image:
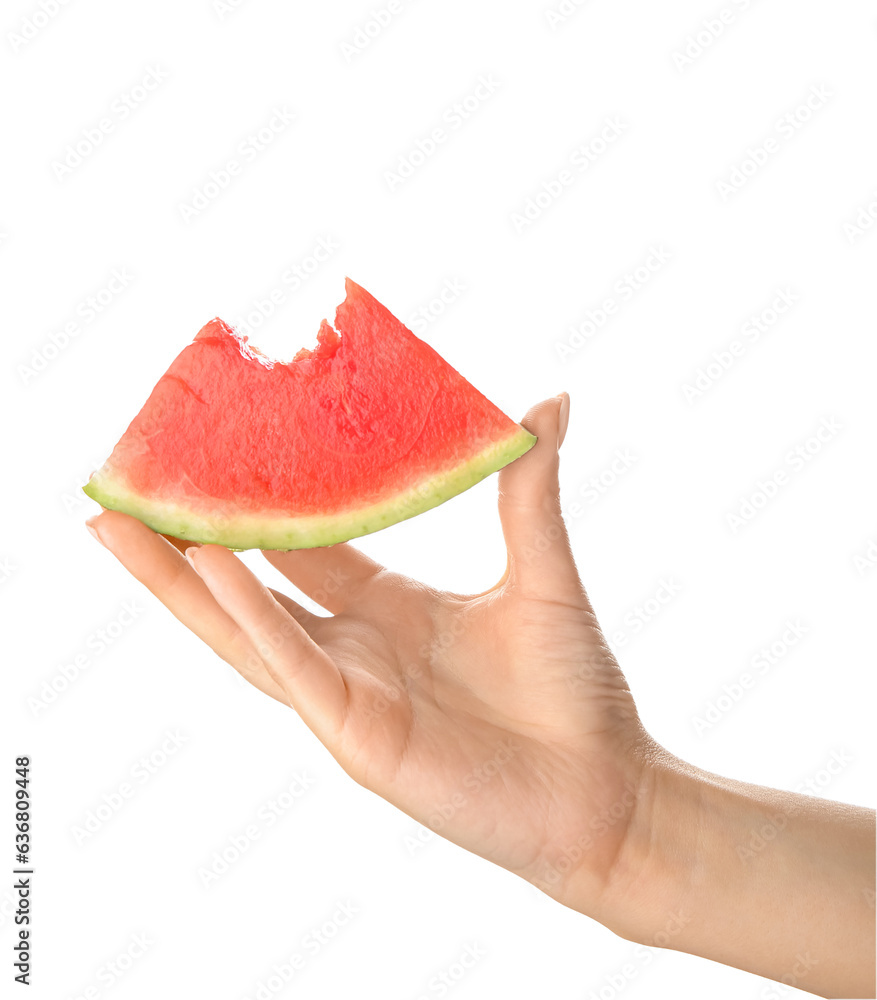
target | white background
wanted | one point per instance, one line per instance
(803, 557)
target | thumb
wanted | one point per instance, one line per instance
(540, 562)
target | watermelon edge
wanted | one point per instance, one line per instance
(285, 532)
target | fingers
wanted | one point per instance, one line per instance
(312, 683)
(309, 622)
(562, 418)
(180, 544)
(330, 575)
(160, 567)
(540, 561)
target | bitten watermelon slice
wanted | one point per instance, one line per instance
(369, 428)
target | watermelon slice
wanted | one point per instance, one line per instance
(369, 428)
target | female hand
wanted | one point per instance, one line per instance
(499, 719)
(502, 721)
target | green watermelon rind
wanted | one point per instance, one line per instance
(283, 531)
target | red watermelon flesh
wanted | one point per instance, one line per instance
(370, 427)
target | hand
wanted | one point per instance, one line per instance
(502, 721)
(499, 719)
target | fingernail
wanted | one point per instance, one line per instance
(91, 528)
(562, 417)
(189, 553)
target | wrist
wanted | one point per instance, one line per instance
(646, 894)
(621, 869)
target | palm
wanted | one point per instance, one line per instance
(448, 720)
(500, 720)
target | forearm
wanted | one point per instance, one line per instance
(778, 884)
